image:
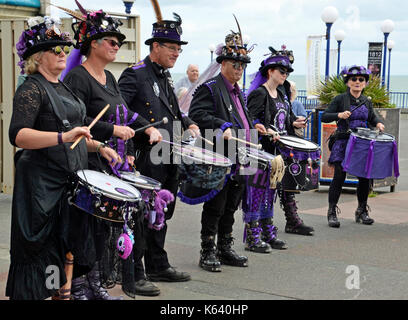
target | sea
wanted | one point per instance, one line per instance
(398, 83)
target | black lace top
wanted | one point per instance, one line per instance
(28, 101)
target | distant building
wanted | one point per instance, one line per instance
(11, 9)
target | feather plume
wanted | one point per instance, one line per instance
(84, 12)
(157, 10)
(239, 30)
(177, 18)
(71, 13)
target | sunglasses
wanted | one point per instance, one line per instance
(236, 65)
(113, 43)
(354, 79)
(58, 50)
(283, 72)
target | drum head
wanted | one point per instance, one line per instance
(368, 134)
(140, 181)
(254, 154)
(191, 154)
(109, 186)
(298, 143)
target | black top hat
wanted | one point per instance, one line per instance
(234, 49)
(43, 33)
(355, 70)
(167, 31)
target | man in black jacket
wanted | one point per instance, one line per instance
(147, 88)
(218, 104)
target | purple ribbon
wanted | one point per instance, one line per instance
(395, 155)
(350, 147)
(370, 159)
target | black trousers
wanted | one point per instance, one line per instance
(336, 186)
(152, 248)
(218, 213)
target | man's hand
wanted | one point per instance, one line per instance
(194, 130)
(123, 132)
(227, 134)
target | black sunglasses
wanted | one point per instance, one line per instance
(237, 64)
(283, 71)
(354, 79)
(113, 43)
(58, 50)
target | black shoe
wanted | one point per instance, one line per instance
(253, 241)
(270, 234)
(208, 259)
(362, 214)
(169, 275)
(332, 214)
(141, 287)
(227, 255)
(294, 224)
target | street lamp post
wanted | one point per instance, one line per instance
(211, 47)
(391, 45)
(339, 35)
(245, 39)
(128, 4)
(329, 16)
(387, 26)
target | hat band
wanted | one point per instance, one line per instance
(168, 34)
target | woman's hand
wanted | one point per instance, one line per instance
(110, 155)
(344, 115)
(275, 136)
(74, 134)
(380, 126)
(131, 160)
(300, 122)
(261, 128)
(227, 134)
(154, 134)
(123, 132)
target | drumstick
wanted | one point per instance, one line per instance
(91, 125)
(258, 146)
(206, 140)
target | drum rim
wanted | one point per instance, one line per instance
(253, 156)
(201, 161)
(107, 193)
(370, 139)
(97, 216)
(317, 147)
(136, 184)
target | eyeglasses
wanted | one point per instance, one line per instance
(283, 72)
(236, 64)
(172, 49)
(354, 79)
(113, 43)
(58, 50)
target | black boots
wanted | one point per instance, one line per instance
(226, 254)
(208, 258)
(293, 222)
(253, 241)
(96, 291)
(362, 214)
(79, 289)
(269, 234)
(332, 215)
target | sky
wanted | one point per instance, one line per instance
(272, 23)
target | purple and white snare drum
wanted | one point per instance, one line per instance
(202, 172)
(153, 196)
(104, 196)
(371, 155)
(301, 158)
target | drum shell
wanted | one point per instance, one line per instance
(369, 158)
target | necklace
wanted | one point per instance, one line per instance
(101, 78)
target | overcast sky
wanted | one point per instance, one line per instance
(272, 23)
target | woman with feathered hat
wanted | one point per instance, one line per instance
(46, 233)
(269, 103)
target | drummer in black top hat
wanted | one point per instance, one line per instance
(147, 88)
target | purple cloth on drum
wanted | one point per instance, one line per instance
(370, 159)
(298, 154)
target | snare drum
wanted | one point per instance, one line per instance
(202, 172)
(104, 196)
(371, 155)
(301, 158)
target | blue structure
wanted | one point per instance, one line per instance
(22, 3)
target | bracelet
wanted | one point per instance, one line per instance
(60, 138)
(100, 145)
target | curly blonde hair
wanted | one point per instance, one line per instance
(31, 63)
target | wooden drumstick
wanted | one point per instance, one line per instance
(205, 140)
(91, 125)
(258, 146)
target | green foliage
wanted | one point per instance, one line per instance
(335, 86)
